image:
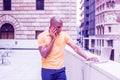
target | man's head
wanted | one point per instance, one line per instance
(56, 22)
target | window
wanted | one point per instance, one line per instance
(110, 4)
(107, 4)
(87, 15)
(109, 29)
(110, 43)
(37, 32)
(102, 42)
(92, 43)
(113, 4)
(87, 7)
(6, 4)
(103, 6)
(87, 23)
(39, 4)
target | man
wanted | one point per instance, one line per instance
(51, 46)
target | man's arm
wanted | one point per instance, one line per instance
(45, 50)
(80, 52)
(77, 49)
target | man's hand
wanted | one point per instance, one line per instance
(53, 32)
(92, 59)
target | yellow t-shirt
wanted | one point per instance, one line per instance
(55, 60)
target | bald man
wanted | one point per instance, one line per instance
(51, 46)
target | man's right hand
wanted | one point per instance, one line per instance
(53, 32)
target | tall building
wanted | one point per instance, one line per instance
(100, 26)
(25, 19)
(80, 21)
(107, 26)
(88, 24)
(91, 29)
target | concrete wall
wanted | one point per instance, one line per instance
(79, 69)
(26, 44)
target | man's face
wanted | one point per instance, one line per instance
(57, 26)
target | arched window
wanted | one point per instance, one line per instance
(6, 31)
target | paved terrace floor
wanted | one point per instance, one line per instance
(24, 65)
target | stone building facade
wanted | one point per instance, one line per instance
(25, 19)
(107, 27)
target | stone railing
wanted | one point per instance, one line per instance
(79, 69)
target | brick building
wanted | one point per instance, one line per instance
(24, 19)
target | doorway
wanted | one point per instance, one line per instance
(7, 31)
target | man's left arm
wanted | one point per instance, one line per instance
(80, 52)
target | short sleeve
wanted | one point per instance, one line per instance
(40, 40)
(67, 38)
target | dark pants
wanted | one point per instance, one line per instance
(53, 74)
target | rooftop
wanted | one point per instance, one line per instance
(25, 64)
